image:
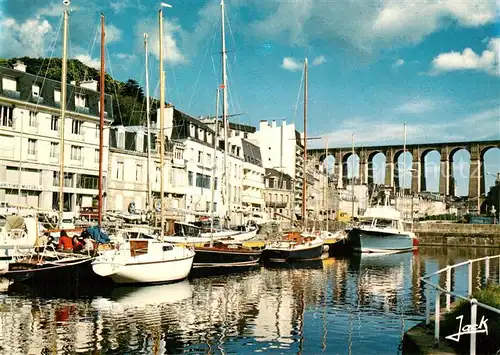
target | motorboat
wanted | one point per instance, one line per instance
(381, 230)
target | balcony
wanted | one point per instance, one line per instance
(276, 204)
(32, 156)
(36, 99)
(12, 93)
(82, 109)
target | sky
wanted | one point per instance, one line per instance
(373, 65)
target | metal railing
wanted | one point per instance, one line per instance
(448, 293)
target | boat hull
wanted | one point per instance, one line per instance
(310, 251)
(207, 257)
(50, 272)
(373, 241)
(154, 272)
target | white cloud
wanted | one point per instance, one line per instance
(319, 60)
(171, 50)
(417, 106)
(113, 33)
(118, 6)
(87, 60)
(55, 9)
(365, 25)
(19, 39)
(291, 64)
(398, 63)
(487, 62)
(125, 56)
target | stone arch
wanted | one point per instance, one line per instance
(403, 162)
(459, 160)
(490, 158)
(350, 168)
(430, 169)
(376, 167)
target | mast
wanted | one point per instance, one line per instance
(404, 160)
(101, 120)
(162, 124)
(304, 179)
(224, 112)
(63, 113)
(352, 178)
(148, 175)
(326, 185)
(214, 166)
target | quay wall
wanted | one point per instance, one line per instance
(458, 234)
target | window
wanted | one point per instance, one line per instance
(245, 135)
(177, 153)
(215, 183)
(121, 140)
(236, 133)
(207, 208)
(203, 181)
(76, 153)
(35, 91)
(284, 185)
(9, 84)
(190, 178)
(275, 183)
(158, 174)
(87, 182)
(6, 116)
(54, 150)
(97, 132)
(32, 119)
(138, 172)
(76, 127)
(287, 198)
(96, 155)
(119, 170)
(54, 123)
(80, 100)
(267, 182)
(200, 157)
(209, 159)
(31, 146)
(57, 96)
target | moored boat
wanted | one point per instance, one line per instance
(225, 255)
(145, 261)
(381, 230)
(294, 247)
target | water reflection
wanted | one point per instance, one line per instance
(354, 305)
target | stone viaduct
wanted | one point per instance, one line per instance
(476, 149)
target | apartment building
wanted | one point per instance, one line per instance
(30, 137)
(128, 176)
(279, 196)
(253, 181)
(282, 149)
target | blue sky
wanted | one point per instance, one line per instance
(374, 65)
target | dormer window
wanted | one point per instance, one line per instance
(140, 142)
(80, 100)
(10, 87)
(121, 140)
(192, 130)
(57, 96)
(35, 91)
(200, 133)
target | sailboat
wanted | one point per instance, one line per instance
(222, 254)
(148, 260)
(296, 246)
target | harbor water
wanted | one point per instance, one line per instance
(349, 305)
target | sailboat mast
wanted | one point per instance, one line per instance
(304, 179)
(148, 124)
(352, 177)
(63, 115)
(214, 166)
(224, 109)
(162, 124)
(101, 120)
(404, 159)
(326, 185)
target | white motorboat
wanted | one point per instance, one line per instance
(187, 233)
(17, 234)
(139, 261)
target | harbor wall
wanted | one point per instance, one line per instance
(458, 234)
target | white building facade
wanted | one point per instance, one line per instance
(30, 138)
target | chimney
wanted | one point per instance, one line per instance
(20, 66)
(273, 125)
(89, 84)
(283, 123)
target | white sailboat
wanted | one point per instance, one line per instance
(146, 260)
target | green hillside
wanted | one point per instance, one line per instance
(129, 104)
